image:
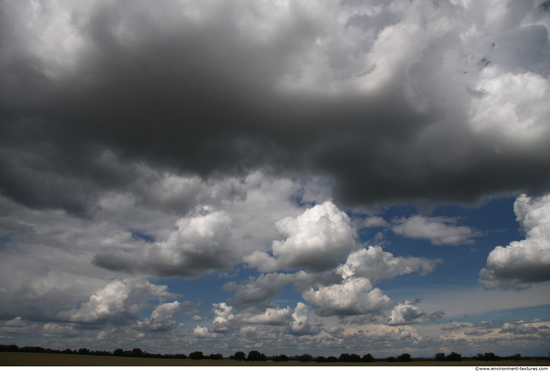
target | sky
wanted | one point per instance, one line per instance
(292, 177)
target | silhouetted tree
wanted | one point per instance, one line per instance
(517, 356)
(305, 358)
(440, 357)
(368, 358)
(239, 355)
(490, 357)
(280, 358)
(137, 353)
(197, 355)
(391, 359)
(320, 359)
(118, 352)
(344, 357)
(216, 356)
(454, 357)
(332, 359)
(404, 358)
(256, 356)
(83, 351)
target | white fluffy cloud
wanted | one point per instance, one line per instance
(375, 264)
(354, 296)
(315, 240)
(439, 230)
(271, 316)
(162, 318)
(407, 313)
(526, 261)
(119, 302)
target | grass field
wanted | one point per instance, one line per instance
(41, 359)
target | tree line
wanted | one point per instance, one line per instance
(256, 356)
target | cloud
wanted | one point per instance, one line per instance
(527, 261)
(257, 290)
(375, 264)
(435, 94)
(271, 316)
(301, 323)
(400, 335)
(203, 243)
(519, 329)
(118, 303)
(162, 318)
(439, 230)
(315, 240)
(477, 332)
(453, 325)
(354, 296)
(407, 313)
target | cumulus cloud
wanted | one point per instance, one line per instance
(202, 243)
(162, 318)
(407, 313)
(519, 329)
(453, 325)
(354, 296)
(301, 323)
(375, 264)
(118, 303)
(477, 332)
(315, 240)
(257, 290)
(439, 230)
(522, 262)
(400, 335)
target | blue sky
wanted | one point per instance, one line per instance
(288, 177)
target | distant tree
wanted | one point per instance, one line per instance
(354, 358)
(404, 358)
(368, 358)
(479, 356)
(197, 355)
(83, 351)
(256, 356)
(305, 358)
(517, 356)
(490, 357)
(118, 352)
(320, 359)
(239, 355)
(344, 357)
(137, 353)
(216, 356)
(440, 357)
(332, 359)
(454, 357)
(391, 359)
(280, 358)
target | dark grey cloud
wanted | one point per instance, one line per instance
(236, 87)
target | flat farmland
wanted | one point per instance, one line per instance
(43, 359)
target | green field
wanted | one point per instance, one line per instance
(42, 359)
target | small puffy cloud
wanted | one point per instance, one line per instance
(118, 303)
(301, 323)
(201, 332)
(257, 290)
(400, 335)
(526, 261)
(477, 332)
(439, 230)
(162, 318)
(375, 221)
(315, 240)
(407, 313)
(58, 330)
(519, 329)
(354, 296)
(373, 263)
(271, 316)
(222, 317)
(453, 325)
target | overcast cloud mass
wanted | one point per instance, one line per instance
(283, 176)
